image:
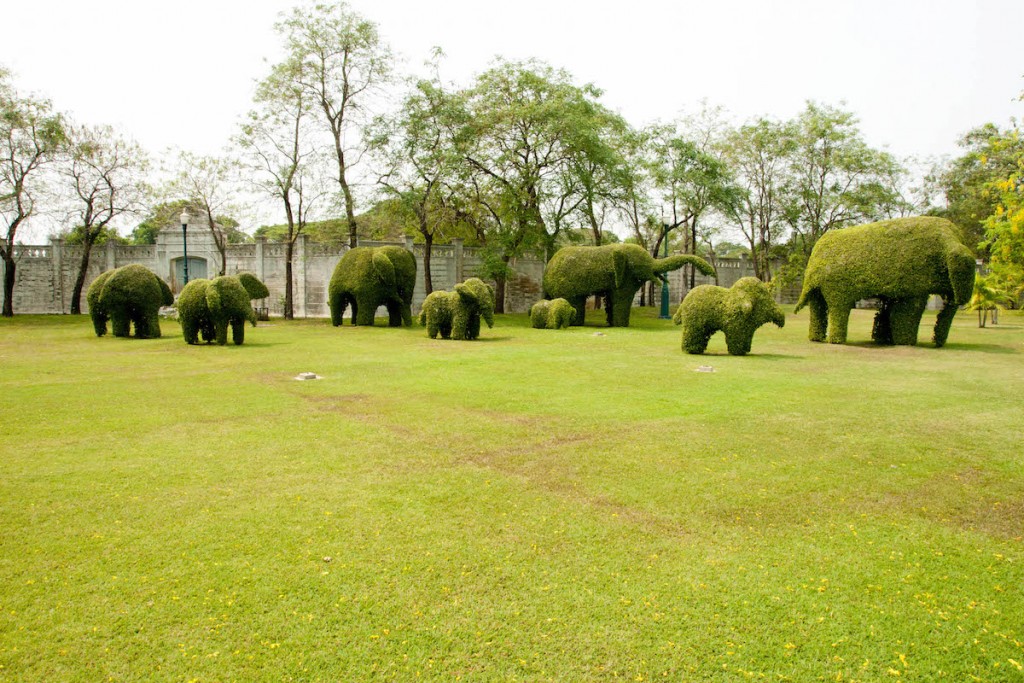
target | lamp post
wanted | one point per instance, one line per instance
(664, 276)
(184, 239)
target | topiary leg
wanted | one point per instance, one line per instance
(881, 328)
(622, 303)
(460, 323)
(739, 343)
(580, 306)
(394, 313)
(819, 317)
(695, 339)
(944, 321)
(99, 323)
(338, 305)
(121, 324)
(838, 322)
(238, 331)
(906, 319)
(473, 326)
(189, 330)
(221, 331)
(363, 312)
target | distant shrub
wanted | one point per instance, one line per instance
(556, 314)
(457, 314)
(902, 262)
(130, 296)
(737, 311)
(369, 277)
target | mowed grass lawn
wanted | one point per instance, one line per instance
(534, 505)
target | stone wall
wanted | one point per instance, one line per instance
(45, 274)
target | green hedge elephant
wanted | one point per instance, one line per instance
(369, 277)
(128, 296)
(208, 307)
(737, 311)
(900, 261)
(556, 314)
(457, 314)
(615, 271)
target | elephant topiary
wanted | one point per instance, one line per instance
(615, 271)
(128, 296)
(556, 314)
(737, 311)
(369, 277)
(457, 314)
(208, 307)
(900, 261)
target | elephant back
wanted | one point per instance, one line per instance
(134, 286)
(575, 271)
(228, 300)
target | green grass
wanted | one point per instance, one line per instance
(534, 505)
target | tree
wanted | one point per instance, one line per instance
(31, 135)
(344, 63)
(966, 183)
(527, 124)
(284, 156)
(835, 179)
(105, 175)
(758, 153)
(205, 182)
(1004, 228)
(420, 157)
(989, 295)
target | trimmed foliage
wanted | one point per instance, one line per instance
(901, 262)
(253, 285)
(207, 307)
(369, 277)
(614, 271)
(737, 311)
(457, 314)
(130, 296)
(556, 314)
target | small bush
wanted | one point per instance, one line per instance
(556, 314)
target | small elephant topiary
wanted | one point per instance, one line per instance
(208, 307)
(900, 261)
(128, 296)
(737, 311)
(457, 314)
(614, 271)
(370, 277)
(556, 314)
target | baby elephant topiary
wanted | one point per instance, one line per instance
(737, 311)
(457, 314)
(207, 307)
(556, 314)
(128, 296)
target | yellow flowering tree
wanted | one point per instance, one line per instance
(1004, 229)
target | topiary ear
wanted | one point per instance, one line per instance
(383, 268)
(465, 292)
(619, 264)
(745, 302)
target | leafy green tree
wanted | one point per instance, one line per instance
(31, 135)
(758, 154)
(835, 179)
(283, 156)
(527, 124)
(344, 64)
(206, 183)
(105, 174)
(966, 183)
(420, 157)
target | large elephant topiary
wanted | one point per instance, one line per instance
(128, 296)
(369, 277)
(615, 271)
(556, 314)
(737, 311)
(457, 314)
(901, 262)
(208, 307)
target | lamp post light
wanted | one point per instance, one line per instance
(664, 276)
(184, 239)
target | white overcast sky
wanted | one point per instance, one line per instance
(918, 73)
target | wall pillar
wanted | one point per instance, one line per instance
(57, 259)
(299, 272)
(110, 256)
(261, 273)
(457, 248)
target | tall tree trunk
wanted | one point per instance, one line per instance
(289, 302)
(428, 248)
(9, 267)
(83, 267)
(499, 287)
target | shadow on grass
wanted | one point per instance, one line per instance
(771, 357)
(982, 348)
